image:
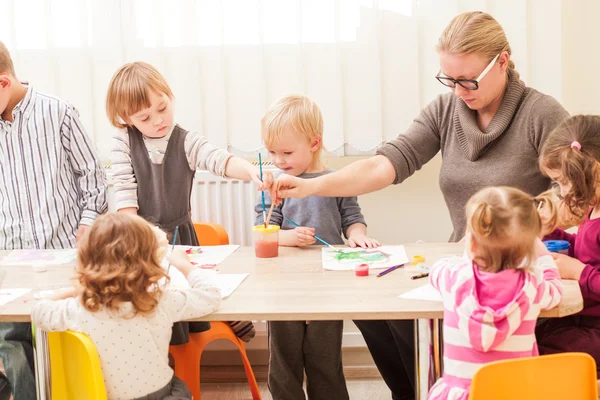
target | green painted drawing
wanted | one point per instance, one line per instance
(360, 255)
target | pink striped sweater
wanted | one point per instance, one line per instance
(488, 317)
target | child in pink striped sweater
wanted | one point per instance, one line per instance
(492, 300)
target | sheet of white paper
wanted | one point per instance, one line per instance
(425, 292)
(227, 283)
(8, 295)
(48, 257)
(381, 257)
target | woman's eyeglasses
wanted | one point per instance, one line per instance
(469, 84)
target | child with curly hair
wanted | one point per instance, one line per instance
(121, 303)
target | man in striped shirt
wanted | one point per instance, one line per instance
(52, 186)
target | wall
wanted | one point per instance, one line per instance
(414, 210)
(580, 56)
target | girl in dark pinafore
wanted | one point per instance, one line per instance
(154, 161)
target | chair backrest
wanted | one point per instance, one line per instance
(75, 367)
(551, 377)
(210, 234)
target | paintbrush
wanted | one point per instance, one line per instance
(271, 209)
(262, 193)
(172, 247)
(268, 221)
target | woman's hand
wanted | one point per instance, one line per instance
(291, 186)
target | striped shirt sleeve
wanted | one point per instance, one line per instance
(438, 274)
(203, 155)
(124, 180)
(86, 165)
(550, 287)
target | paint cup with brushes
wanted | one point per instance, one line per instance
(266, 236)
(266, 241)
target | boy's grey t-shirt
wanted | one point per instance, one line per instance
(330, 216)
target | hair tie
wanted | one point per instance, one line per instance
(576, 145)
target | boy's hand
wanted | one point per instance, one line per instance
(568, 267)
(359, 239)
(304, 236)
(180, 260)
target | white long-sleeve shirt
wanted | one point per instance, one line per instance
(199, 152)
(133, 351)
(51, 179)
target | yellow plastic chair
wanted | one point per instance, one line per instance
(553, 377)
(75, 367)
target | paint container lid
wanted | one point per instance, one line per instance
(268, 229)
(361, 270)
(417, 260)
(557, 245)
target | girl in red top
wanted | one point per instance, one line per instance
(571, 158)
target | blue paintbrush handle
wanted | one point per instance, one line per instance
(173, 246)
(261, 178)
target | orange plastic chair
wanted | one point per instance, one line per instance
(210, 234)
(187, 356)
(75, 367)
(552, 377)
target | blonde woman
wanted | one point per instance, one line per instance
(489, 128)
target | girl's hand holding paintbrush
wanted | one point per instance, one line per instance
(267, 178)
(238, 168)
(180, 260)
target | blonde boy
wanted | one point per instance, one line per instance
(292, 130)
(52, 186)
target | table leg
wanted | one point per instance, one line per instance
(428, 355)
(42, 365)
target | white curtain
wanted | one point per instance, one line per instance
(370, 64)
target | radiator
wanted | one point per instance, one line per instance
(227, 202)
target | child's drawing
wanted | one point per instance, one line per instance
(209, 256)
(49, 257)
(382, 257)
(360, 255)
